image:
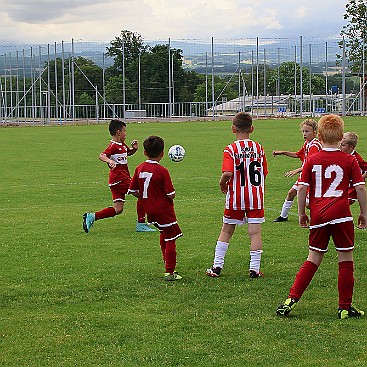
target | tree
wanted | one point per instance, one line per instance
(355, 33)
(286, 80)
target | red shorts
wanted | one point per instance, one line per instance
(170, 231)
(341, 233)
(119, 192)
(240, 217)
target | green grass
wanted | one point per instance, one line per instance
(72, 299)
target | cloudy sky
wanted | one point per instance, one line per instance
(48, 21)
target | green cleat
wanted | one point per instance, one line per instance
(288, 305)
(88, 220)
(168, 277)
(352, 312)
(143, 227)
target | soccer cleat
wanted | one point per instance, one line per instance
(88, 220)
(288, 305)
(213, 272)
(254, 274)
(143, 227)
(168, 277)
(352, 312)
(280, 219)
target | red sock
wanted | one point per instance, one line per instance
(303, 279)
(162, 243)
(345, 283)
(105, 213)
(140, 211)
(170, 256)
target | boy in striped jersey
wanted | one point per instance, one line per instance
(244, 169)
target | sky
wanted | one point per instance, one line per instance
(49, 21)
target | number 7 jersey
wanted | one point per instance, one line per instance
(246, 160)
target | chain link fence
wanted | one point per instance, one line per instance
(38, 83)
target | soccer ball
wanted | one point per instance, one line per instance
(176, 153)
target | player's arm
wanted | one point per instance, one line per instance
(293, 172)
(285, 152)
(226, 176)
(362, 199)
(301, 197)
(134, 147)
(111, 163)
(134, 193)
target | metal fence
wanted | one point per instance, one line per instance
(31, 92)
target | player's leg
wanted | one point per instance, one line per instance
(141, 226)
(118, 198)
(254, 233)
(318, 246)
(169, 236)
(343, 236)
(221, 249)
(287, 205)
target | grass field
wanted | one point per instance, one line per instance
(74, 299)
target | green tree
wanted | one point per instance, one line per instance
(355, 33)
(284, 80)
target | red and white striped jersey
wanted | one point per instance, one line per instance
(246, 160)
(309, 148)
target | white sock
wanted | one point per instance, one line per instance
(220, 252)
(255, 259)
(287, 205)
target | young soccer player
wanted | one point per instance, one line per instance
(327, 175)
(152, 183)
(115, 155)
(244, 169)
(348, 145)
(311, 146)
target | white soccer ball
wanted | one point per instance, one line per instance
(176, 153)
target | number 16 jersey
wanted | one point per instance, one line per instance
(246, 160)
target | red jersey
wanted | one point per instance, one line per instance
(154, 184)
(363, 166)
(118, 153)
(309, 148)
(328, 175)
(246, 160)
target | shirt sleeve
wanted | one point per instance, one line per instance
(301, 153)
(227, 164)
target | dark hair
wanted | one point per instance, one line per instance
(115, 125)
(153, 146)
(242, 122)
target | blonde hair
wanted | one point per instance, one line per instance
(311, 123)
(331, 129)
(351, 138)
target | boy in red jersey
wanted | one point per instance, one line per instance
(152, 184)
(244, 169)
(348, 145)
(327, 176)
(115, 155)
(311, 146)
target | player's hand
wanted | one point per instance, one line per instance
(276, 152)
(362, 221)
(135, 144)
(289, 173)
(223, 188)
(303, 220)
(112, 164)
